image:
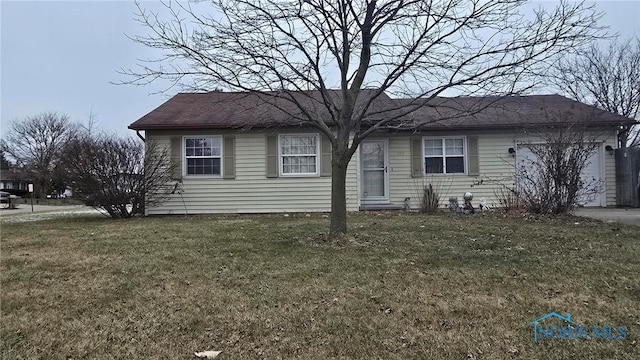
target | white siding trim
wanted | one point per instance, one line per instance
(603, 174)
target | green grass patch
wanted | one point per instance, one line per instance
(399, 286)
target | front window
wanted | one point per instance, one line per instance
(299, 154)
(444, 156)
(203, 155)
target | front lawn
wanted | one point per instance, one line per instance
(401, 286)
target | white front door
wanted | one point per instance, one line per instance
(375, 177)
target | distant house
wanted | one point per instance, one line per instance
(14, 180)
(239, 153)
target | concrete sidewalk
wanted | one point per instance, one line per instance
(43, 212)
(26, 208)
(624, 216)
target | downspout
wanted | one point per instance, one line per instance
(144, 141)
(140, 136)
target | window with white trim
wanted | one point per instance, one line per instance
(444, 155)
(203, 155)
(299, 154)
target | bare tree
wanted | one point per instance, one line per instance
(607, 77)
(4, 163)
(117, 175)
(285, 50)
(551, 179)
(36, 144)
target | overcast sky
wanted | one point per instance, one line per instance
(63, 55)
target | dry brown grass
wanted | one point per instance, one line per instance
(400, 286)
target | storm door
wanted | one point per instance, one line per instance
(374, 171)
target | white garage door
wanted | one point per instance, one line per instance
(593, 172)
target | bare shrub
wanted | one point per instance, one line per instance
(430, 192)
(117, 175)
(508, 198)
(430, 200)
(551, 181)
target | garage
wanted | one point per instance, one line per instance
(593, 172)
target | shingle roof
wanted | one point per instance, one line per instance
(14, 173)
(234, 110)
(231, 110)
(513, 112)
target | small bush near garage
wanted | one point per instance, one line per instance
(551, 179)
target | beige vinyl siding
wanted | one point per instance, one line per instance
(251, 191)
(493, 160)
(496, 167)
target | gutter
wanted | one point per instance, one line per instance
(427, 127)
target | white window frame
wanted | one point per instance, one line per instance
(185, 169)
(465, 155)
(280, 155)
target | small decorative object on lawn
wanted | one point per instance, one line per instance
(484, 205)
(453, 204)
(468, 208)
(407, 204)
(207, 354)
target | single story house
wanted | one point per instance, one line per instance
(238, 153)
(13, 180)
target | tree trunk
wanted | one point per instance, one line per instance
(42, 185)
(338, 224)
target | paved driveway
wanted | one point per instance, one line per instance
(625, 216)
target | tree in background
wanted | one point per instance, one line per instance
(117, 175)
(608, 77)
(4, 162)
(36, 145)
(282, 50)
